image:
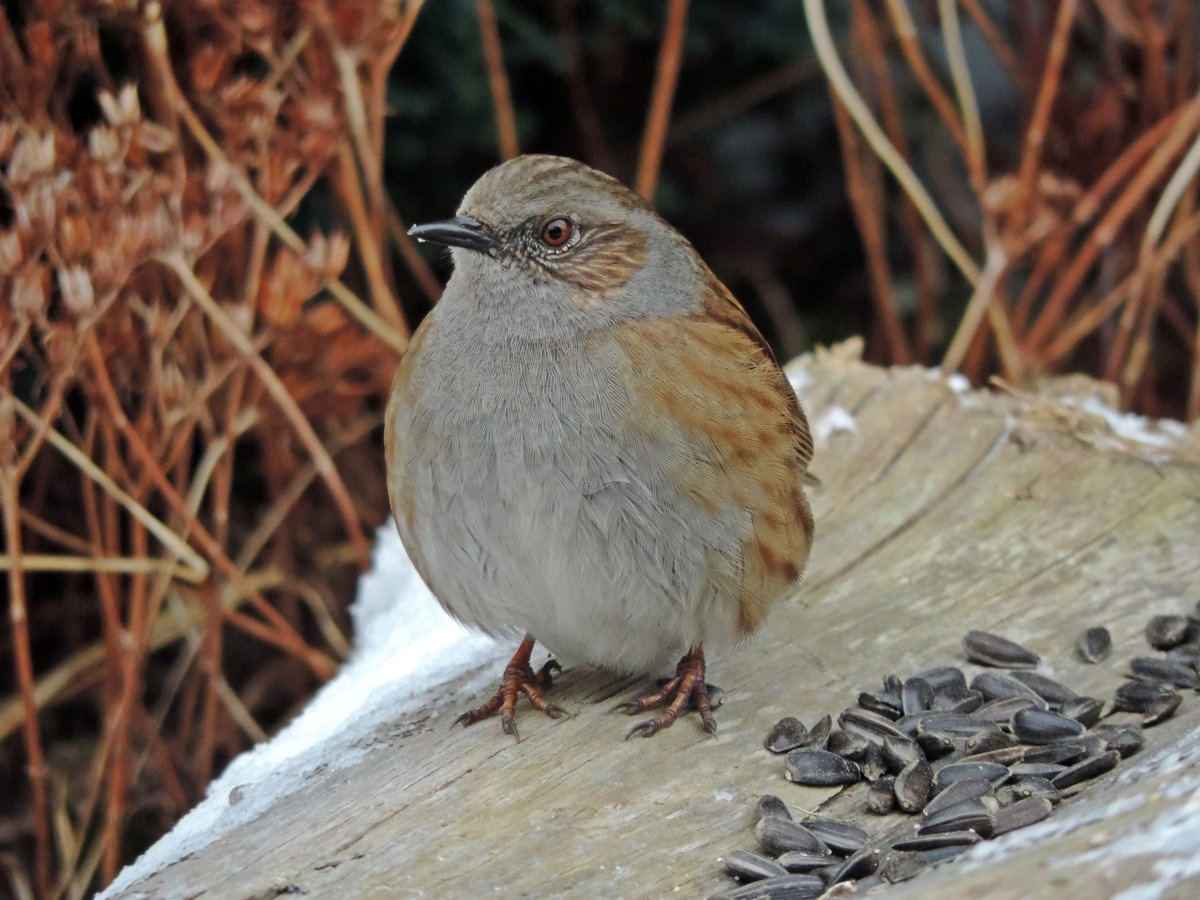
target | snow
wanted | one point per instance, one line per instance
(1130, 426)
(831, 421)
(406, 647)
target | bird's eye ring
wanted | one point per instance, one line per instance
(557, 232)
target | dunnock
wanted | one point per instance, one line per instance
(589, 443)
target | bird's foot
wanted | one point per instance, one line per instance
(687, 687)
(519, 678)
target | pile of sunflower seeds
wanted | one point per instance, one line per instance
(966, 761)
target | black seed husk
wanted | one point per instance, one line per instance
(1085, 770)
(747, 866)
(1165, 632)
(992, 650)
(770, 805)
(781, 887)
(1039, 726)
(1083, 709)
(786, 734)
(1047, 688)
(1168, 671)
(778, 835)
(1020, 814)
(993, 772)
(938, 841)
(820, 768)
(1095, 644)
(840, 837)
(881, 796)
(913, 786)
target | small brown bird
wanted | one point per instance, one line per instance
(590, 444)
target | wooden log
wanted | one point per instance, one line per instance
(940, 511)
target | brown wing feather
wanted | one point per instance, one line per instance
(712, 382)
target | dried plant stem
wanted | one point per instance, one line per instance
(1170, 197)
(196, 565)
(868, 214)
(850, 98)
(1035, 133)
(367, 317)
(995, 40)
(666, 76)
(910, 47)
(23, 658)
(369, 242)
(981, 301)
(960, 75)
(493, 54)
(1106, 229)
(287, 405)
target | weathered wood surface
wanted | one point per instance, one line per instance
(941, 512)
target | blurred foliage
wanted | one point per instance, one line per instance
(208, 285)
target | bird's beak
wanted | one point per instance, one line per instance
(461, 231)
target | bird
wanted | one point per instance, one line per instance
(589, 444)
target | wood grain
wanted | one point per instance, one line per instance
(941, 512)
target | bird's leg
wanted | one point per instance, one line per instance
(519, 678)
(688, 685)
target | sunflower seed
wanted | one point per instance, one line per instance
(819, 734)
(993, 650)
(1026, 788)
(915, 696)
(938, 841)
(1000, 687)
(770, 805)
(898, 752)
(1006, 756)
(873, 764)
(1089, 768)
(1125, 739)
(943, 678)
(880, 704)
(913, 786)
(820, 768)
(959, 792)
(1095, 644)
(803, 860)
(847, 745)
(1185, 653)
(1047, 688)
(1064, 752)
(1136, 696)
(840, 837)
(963, 701)
(747, 866)
(969, 815)
(1179, 674)
(993, 772)
(953, 724)
(786, 734)
(1165, 632)
(777, 835)
(935, 743)
(870, 725)
(1160, 710)
(986, 741)
(1020, 814)
(859, 865)
(1086, 710)
(881, 796)
(781, 887)
(901, 865)
(1001, 711)
(1037, 726)
(1037, 770)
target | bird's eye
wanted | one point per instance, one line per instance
(557, 232)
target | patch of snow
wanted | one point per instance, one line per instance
(1130, 426)
(800, 379)
(406, 647)
(959, 383)
(832, 421)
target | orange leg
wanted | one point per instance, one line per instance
(519, 678)
(688, 686)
